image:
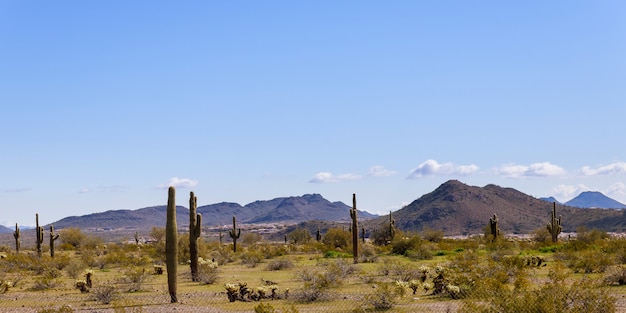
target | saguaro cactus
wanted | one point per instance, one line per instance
(392, 227)
(362, 234)
(355, 230)
(16, 235)
(493, 225)
(221, 236)
(39, 231)
(235, 233)
(53, 237)
(195, 228)
(171, 244)
(318, 235)
(554, 227)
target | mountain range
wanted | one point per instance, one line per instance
(278, 210)
(460, 209)
(454, 207)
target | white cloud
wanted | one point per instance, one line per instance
(179, 183)
(568, 191)
(543, 169)
(380, 171)
(611, 169)
(617, 190)
(84, 190)
(326, 177)
(431, 168)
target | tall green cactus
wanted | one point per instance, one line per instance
(16, 235)
(362, 234)
(392, 227)
(235, 233)
(221, 236)
(355, 230)
(195, 228)
(39, 231)
(171, 244)
(53, 237)
(493, 226)
(318, 235)
(554, 227)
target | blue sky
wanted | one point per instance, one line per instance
(105, 104)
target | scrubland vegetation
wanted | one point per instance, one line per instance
(411, 272)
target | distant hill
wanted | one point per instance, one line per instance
(550, 199)
(288, 209)
(460, 209)
(594, 199)
(279, 210)
(4, 229)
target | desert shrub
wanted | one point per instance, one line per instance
(299, 235)
(555, 295)
(280, 264)
(48, 279)
(207, 271)
(337, 238)
(400, 245)
(368, 253)
(62, 309)
(590, 237)
(432, 235)
(134, 278)
(250, 238)
(615, 275)
(384, 297)
(251, 258)
(104, 293)
(223, 256)
(264, 308)
(423, 251)
(586, 261)
(270, 251)
(337, 270)
(72, 237)
(74, 268)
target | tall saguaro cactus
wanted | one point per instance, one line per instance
(554, 227)
(171, 244)
(16, 235)
(53, 237)
(195, 228)
(392, 227)
(355, 230)
(235, 233)
(318, 235)
(39, 230)
(493, 225)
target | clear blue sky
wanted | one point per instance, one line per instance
(104, 104)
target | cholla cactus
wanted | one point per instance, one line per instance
(261, 291)
(232, 291)
(81, 285)
(424, 271)
(4, 286)
(401, 287)
(453, 291)
(88, 273)
(274, 290)
(427, 286)
(414, 285)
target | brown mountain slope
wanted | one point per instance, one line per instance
(460, 209)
